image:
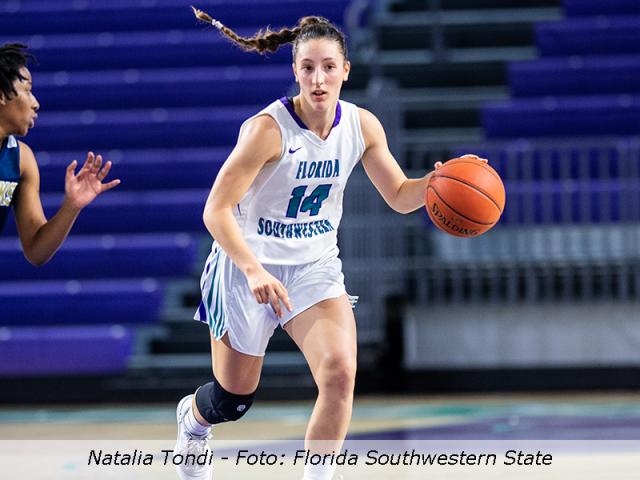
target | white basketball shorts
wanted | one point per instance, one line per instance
(229, 306)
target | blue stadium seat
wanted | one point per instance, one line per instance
(563, 116)
(133, 50)
(139, 129)
(87, 350)
(137, 89)
(159, 169)
(580, 162)
(575, 76)
(570, 202)
(134, 212)
(585, 8)
(589, 36)
(120, 256)
(80, 302)
(564, 202)
(138, 15)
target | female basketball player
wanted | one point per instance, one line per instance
(273, 211)
(19, 176)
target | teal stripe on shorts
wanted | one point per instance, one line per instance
(219, 310)
(214, 302)
(209, 300)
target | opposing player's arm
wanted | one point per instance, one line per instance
(259, 143)
(402, 194)
(40, 239)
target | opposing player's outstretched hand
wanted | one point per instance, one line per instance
(83, 188)
(468, 155)
(268, 289)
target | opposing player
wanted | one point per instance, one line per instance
(19, 175)
(274, 212)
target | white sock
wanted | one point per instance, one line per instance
(319, 472)
(194, 427)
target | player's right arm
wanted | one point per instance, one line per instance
(259, 144)
(40, 238)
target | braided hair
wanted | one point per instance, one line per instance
(269, 41)
(12, 58)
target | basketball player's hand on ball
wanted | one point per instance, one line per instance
(269, 290)
(469, 155)
(83, 188)
(465, 197)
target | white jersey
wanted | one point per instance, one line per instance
(291, 212)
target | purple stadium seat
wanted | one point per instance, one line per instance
(87, 350)
(586, 8)
(44, 17)
(139, 129)
(157, 169)
(568, 201)
(119, 256)
(135, 212)
(595, 75)
(563, 116)
(80, 302)
(571, 202)
(134, 50)
(589, 36)
(517, 162)
(184, 87)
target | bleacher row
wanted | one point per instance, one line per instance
(44, 17)
(161, 96)
(587, 81)
(566, 142)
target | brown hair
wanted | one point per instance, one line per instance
(269, 41)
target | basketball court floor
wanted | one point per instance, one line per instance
(588, 436)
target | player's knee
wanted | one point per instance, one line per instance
(337, 374)
(216, 405)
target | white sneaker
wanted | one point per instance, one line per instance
(189, 444)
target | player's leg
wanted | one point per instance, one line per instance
(235, 374)
(240, 330)
(326, 335)
(227, 398)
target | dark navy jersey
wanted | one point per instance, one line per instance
(9, 175)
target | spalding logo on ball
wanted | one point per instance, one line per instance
(465, 197)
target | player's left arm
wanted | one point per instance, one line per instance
(402, 194)
(41, 238)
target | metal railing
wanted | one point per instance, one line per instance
(572, 235)
(571, 230)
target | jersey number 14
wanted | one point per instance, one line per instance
(311, 203)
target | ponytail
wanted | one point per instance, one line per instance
(270, 41)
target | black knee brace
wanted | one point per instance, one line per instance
(216, 405)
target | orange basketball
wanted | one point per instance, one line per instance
(465, 197)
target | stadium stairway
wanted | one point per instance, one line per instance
(566, 143)
(433, 65)
(447, 61)
(558, 122)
